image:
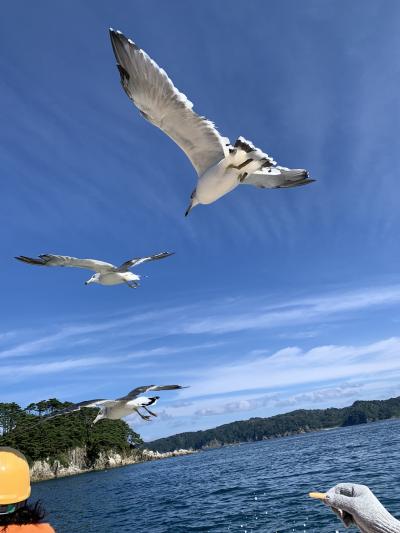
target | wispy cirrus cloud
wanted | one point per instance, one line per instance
(280, 399)
(101, 363)
(228, 316)
(294, 313)
(295, 366)
(291, 378)
(196, 345)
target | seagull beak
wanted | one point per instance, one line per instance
(188, 209)
(193, 203)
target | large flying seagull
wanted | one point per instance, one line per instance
(105, 273)
(121, 407)
(220, 166)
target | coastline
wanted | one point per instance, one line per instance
(76, 462)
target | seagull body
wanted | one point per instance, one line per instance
(121, 407)
(115, 410)
(113, 278)
(220, 166)
(105, 273)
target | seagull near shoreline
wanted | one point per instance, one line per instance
(105, 273)
(220, 166)
(121, 407)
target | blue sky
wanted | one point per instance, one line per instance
(275, 299)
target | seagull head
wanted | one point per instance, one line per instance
(152, 400)
(93, 279)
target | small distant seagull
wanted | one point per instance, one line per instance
(106, 273)
(220, 166)
(121, 407)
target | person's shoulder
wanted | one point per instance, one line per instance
(31, 528)
(45, 528)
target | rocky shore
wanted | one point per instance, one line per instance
(76, 461)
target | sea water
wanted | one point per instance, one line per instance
(247, 488)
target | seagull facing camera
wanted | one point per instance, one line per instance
(220, 165)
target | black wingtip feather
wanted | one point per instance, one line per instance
(123, 73)
(30, 260)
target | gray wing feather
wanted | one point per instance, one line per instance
(278, 178)
(160, 102)
(78, 406)
(139, 260)
(67, 261)
(147, 388)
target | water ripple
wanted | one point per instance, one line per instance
(252, 488)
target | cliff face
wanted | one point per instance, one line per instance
(76, 461)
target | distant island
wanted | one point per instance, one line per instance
(293, 423)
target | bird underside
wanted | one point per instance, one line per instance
(258, 168)
(117, 412)
(247, 159)
(220, 166)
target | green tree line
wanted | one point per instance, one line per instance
(40, 438)
(292, 423)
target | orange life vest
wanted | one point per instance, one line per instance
(30, 528)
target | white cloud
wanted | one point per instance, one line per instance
(281, 399)
(228, 316)
(293, 313)
(21, 371)
(294, 366)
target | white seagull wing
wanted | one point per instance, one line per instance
(278, 178)
(147, 388)
(81, 405)
(67, 261)
(160, 102)
(139, 260)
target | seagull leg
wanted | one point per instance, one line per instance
(133, 284)
(150, 412)
(145, 417)
(239, 167)
(257, 164)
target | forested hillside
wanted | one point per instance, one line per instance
(299, 421)
(40, 438)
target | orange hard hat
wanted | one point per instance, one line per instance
(15, 484)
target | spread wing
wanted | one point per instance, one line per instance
(66, 261)
(160, 102)
(147, 388)
(78, 406)
(278, 178)
(139, 260)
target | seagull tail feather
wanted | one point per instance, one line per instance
(295, 178)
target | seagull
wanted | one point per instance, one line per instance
(121, 407)
(105, 273)
(220, 166)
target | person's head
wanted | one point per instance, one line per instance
(15, 484)
(15, 489)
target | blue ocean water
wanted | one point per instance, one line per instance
(248, 488)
